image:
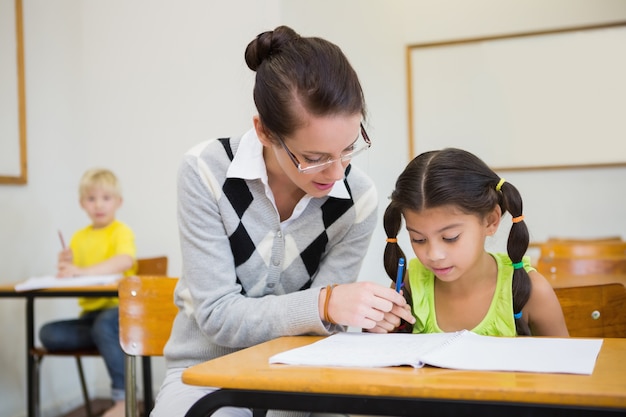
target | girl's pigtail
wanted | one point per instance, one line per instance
(517, 245)
(392, 221)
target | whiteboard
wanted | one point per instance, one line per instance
(537, 100)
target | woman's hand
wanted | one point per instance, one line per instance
(367, 305)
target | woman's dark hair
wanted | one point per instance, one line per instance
(296, 75)
(458, 178)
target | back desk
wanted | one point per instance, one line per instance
(8, 291)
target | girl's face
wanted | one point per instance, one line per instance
(447, 241)
(321, 139)
(100, 203)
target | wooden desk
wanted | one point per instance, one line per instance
(8, 290)
(248, 380)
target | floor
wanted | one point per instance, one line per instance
(98, 407)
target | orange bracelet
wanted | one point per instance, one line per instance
(329, 290)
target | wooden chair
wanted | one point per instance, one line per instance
(570, 258)
(583, 249)
(152, 266)
(556, 239)
(576, 266)
(609, 238)
(594, 310)
(147, 312)
(145, 266)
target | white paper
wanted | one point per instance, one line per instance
(459, 350)
(49, 281)
(364, 349)
(525, 354)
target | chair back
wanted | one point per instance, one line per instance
(147, 312)
(575, 257)
(608, 238)
(583, 249)
(560, 239)
(575, 266)
(152, 266)
(594, 310)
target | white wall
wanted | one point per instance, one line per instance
(132, 84)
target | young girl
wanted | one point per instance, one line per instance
(451, 201)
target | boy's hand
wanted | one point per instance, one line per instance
(66, 255)
(68, 269)
(65, 266)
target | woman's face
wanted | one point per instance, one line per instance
(319, 140)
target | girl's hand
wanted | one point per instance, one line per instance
(392, 321)
(367, 305)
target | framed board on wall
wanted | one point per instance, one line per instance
(13, 169)
(538, 100)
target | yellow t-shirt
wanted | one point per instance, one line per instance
(91, 246)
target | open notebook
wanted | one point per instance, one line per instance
(37, 283)
(459, 350)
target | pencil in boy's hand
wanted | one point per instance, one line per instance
(61, 239)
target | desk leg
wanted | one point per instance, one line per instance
(32, 393)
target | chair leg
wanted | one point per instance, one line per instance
(130, 368)
(83, 386)
(35, 380)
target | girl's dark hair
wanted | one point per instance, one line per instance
(458, 178)
(297, 75)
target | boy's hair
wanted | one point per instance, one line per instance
(99, 177)
(458, 178)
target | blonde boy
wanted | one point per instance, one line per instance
(106, 246)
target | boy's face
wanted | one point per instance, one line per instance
(100, 204)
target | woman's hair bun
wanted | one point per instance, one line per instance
(267, 44)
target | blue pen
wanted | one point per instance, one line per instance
(400, 274)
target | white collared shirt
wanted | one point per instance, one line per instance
(248, 163)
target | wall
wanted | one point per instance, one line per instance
(132, 85)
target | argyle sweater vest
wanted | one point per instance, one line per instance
(237, 257)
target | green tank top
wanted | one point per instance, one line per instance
(498, 321)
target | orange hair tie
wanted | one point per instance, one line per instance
(392, 240)
(518, 219)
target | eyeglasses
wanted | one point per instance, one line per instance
(313, 167)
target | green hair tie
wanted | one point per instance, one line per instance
(518, 265)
